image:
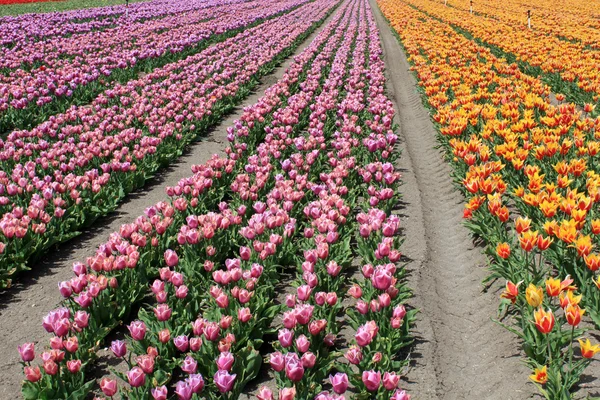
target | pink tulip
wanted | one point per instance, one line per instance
(159, 393)
(137, 329)
(196, 382)
(119, 348)
(171, 258)
(285, 337)
(390, 380)
(181, 343)
(354, 355)
(225, 361)
(224, 381)
(277, 361)
(287, 393)
(339, 382)
(27, 352)
(33, 374)
(136, 377)
(372, 380)
(400, 395)
(264, 393)
(108, 386)
(183, 390)
(189, 366)
(294, 370)
(308, 360)
(74, 366)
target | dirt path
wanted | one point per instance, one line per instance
(460, 353)
(35, 293)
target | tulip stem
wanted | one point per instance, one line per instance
(549, 350)
(571, 351)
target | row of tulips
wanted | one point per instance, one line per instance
(79, 165)
(570, 67)
(527, 170)
(213, 296)
(45, 77)
(131, 254)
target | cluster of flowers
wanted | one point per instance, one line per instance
(57, 68)
(292, 192)
(78, 165)
(571, 61)
(512, 147)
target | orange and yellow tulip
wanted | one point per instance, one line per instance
(587, 349)
(544, 320)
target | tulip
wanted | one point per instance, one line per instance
(390, 380)
(183, 390)
(277, 361)
(372, 380)
(189, 365)
(74, 366)
(225, 361)
(264, 393)
(339, 382)
(27, 352)
(400, 395)
(544, 321)
(587, 350)
(534, 295)
(137, 329)
(308, 360)
(224, 381)
(171, 258)
(573, 314)
(108, 386)
(136, 377)
(159, 393)
(196, 382)
(33, 374)
(539, 375)
(119, 348)
(287, 393)
(354, 355)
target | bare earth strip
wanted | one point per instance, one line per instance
(35, 293)
(459, 353)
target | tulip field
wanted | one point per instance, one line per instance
(305, 259)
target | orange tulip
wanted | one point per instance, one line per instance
(544, 320)
(584, 245)
(573, 314)
(570, 298)
(592, 261)
(540, 375)
(503, 250)
(587, 350)
(511, 292)
(553, 287)
(544, 242)
(522, 224)
(528, 240)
